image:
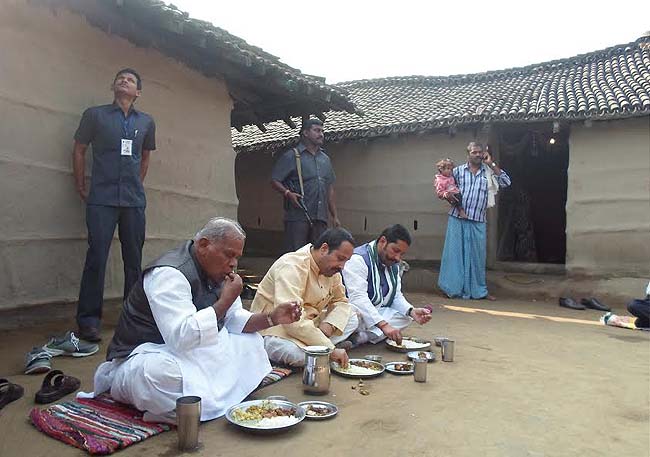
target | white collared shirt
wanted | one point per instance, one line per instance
(355, 276)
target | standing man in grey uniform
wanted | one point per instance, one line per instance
(305, 178)
(122, 139)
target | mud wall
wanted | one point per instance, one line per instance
(54, 65)
(608, 201)
(379, 182)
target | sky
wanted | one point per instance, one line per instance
(360, 39)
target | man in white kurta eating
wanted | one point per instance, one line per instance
(374, 288)
(183, 331)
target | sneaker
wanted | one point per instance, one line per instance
(70, 345)
(37, 361)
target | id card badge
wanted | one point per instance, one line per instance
(127, 147)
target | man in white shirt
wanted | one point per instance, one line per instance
(183, 331)
(374, 288)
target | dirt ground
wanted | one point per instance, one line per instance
(520, 386)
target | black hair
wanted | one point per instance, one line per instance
(396, 233)
(132, 72)
(334, 237)
(306, 125)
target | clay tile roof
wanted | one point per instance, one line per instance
(610, 83)
(263, 88)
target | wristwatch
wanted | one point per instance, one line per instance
(493, 164)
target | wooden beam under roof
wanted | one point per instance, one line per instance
(287, 120)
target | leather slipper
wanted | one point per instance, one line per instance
(9, 392)
(56, 385)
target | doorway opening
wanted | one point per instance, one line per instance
(532, 213)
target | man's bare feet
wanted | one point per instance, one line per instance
(490, 297)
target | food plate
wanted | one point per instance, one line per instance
(400, 367)
(430, 356)
(318, 410)
(350, 372)
(239, 415)
(409, 344)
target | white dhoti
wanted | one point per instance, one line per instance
(374, 334)
(153, 377)
(221, 366)
(289, 353)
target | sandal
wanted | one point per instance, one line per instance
(56, 385)
(9, 392)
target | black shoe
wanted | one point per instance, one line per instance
(594, 304)
(89, 334)
(570, 303)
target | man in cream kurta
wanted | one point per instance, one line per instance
(183, 331)
(311, 277)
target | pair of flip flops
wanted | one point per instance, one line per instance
(56, 385)
(9, 392)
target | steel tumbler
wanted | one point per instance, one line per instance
(420, 370)
(188, 417)
(447, 350)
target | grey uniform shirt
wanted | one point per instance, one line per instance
(317, 175)
(115, 179)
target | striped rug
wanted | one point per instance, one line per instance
(102, 426)
(276, 374)
(99, 426)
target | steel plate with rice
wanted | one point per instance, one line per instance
(318, 410)
(408, 344)
(265, 416)
(359, 368)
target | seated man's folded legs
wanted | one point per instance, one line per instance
(374, 334)
(151, 382)
(350, 328)
(286, 352)
(281, 350)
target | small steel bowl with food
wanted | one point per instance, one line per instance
(413, 355)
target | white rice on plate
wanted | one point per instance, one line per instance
(276, 422)
(408, 344)
(357, 370)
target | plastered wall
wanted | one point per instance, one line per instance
(379, 182)
(608, 201)
(52, 66)
(388, 180)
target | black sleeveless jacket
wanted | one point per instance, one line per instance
(136, 324)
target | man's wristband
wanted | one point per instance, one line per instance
(286, 192)
(269, 319)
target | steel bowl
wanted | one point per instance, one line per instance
(373, 357)
(413, 355)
